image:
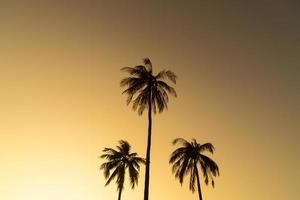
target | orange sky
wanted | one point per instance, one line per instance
(61, 104)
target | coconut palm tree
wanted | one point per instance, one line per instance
(118, 161)
(147, 91)
(186, 160)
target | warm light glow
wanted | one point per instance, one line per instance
(61, 104)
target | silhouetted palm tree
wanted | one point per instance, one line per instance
(147, 91)
(186, 158)
(118, 161)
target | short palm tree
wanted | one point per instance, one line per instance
(186, 160)
(118, 161)
(147, 91)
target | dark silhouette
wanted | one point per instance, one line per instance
(147, 91)
(119, 160)
(186, 158)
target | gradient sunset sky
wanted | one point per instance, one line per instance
(238, 64)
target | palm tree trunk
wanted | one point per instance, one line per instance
(198, 183)
(120, 192)
(147, 173)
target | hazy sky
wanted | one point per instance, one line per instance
(238, 64)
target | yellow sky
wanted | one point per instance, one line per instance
(61, 104)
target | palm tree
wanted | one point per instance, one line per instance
(118, 161)
(147, 91)
(188, 157)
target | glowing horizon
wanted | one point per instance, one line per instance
(61, 104)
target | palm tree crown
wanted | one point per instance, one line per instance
(186, 158)
(148, 87)
(118, 161)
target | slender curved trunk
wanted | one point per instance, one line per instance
(120, 192)
(147, 173)
(198, 182)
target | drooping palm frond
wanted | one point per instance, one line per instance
(166, 74)
(180, 140)
(165, 87)
(211, 169)
(138, 70)
(118, 172)
(193, 174)
(133, 174)
(207, 147)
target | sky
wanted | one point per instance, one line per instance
(238, 69)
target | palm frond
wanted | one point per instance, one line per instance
(141, 101)
(210, 164)
(160, 101)
(110, 151)
(121, 177)
(179, 140)
(133, 175)
(129, 81)
(133, 89)
(108, 166)
(115, 173)
(182, 171)
(148, 64)
(207, 147)
(132, 155)
(176, 165)
(204, 172)
(163, 85)
(193, 176)
(177, 154)
(153, 104)
(164, 93)
(138, 71)
(110, 154)
(166, 74)
(137, 161)
(124, 147)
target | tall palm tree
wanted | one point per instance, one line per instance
(147, 91)
(188, 157)
(118, 161)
